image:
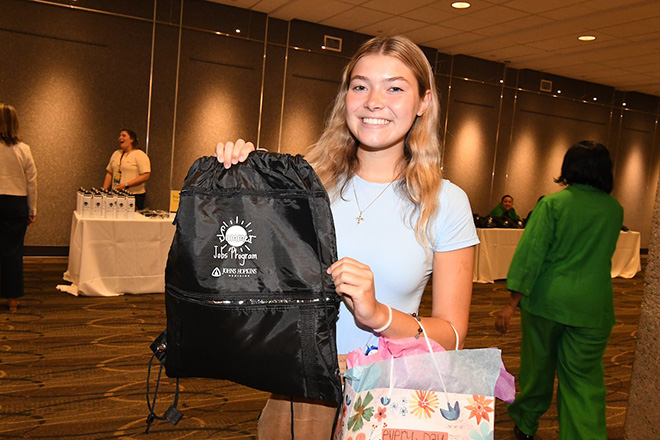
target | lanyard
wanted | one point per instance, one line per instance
(117, 176)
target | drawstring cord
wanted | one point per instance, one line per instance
(172, 414)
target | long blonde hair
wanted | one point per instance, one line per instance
(334, 156)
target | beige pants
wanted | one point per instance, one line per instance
(312, 419)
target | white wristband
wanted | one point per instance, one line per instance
(388, 323)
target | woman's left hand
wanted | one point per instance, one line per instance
(354, 281)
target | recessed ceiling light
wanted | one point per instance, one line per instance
(460, 5)
(558, 91)
(238, 31)
(586, 38)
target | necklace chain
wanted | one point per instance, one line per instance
(360, 217)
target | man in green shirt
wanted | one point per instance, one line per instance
(560, 276)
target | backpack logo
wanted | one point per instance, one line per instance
(235, 239)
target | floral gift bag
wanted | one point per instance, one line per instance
(430, 396)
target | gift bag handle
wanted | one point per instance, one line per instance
(435, 362)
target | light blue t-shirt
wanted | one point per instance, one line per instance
(385, 241)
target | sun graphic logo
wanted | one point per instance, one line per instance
(236, 239)
(237, 234)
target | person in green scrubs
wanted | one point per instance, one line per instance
(505, 209)
(560, 278)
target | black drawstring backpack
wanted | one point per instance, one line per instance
(247, 295)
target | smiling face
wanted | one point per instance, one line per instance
(125, 141)
(507, 203)
(382, 102)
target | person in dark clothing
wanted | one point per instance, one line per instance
(18, 204)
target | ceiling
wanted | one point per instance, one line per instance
(534, 34)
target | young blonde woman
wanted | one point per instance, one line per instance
(396, 220)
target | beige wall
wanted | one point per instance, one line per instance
(78, 76)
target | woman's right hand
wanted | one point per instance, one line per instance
(231, 153)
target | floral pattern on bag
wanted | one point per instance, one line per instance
(361, 412)
(484, 432)
(383, 414)
(423, 404)
(479, 407)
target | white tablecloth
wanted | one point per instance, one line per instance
(495, 252)
(626, 261)
(110, 257)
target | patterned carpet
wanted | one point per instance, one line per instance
(75, 367)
